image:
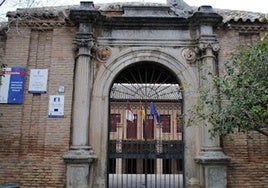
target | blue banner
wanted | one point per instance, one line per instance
(155, 113)
(12, 88)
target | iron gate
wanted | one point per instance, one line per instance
(151, 155)
(143, 152)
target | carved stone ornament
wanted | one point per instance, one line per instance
(180, 8)
(103, 54)
(83, 40)
(190, 54)
(214, 46)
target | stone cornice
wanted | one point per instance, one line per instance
(252, 27)
(85, 13)
(40, 24)
(145, 22)
(206, 16)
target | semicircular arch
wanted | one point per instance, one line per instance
(101, 93)
(181, 69)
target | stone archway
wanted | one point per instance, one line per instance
(100, 101)
(204, 157)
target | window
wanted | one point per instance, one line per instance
(148, 131)
(114, 120)
(248, 38)
(132, 128)
(165, 121)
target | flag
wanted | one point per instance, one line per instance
(142, 112)
(155, 113)
(129, 114)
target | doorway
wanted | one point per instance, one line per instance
(145, 141)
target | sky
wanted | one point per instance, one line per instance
(247, 5)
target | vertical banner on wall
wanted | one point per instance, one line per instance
(56, 106)
(38, 81)
(12, 88)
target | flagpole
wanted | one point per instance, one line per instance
(145, 140)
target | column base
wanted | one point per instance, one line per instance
(79, 163)
(214, 163)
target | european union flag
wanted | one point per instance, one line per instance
(155, 113)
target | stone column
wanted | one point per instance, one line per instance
(81, 156)
(213, 161)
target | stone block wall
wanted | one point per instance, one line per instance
(32, 144)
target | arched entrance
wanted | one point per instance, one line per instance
(145, 140)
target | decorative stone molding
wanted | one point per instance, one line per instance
(204, 49)
(216, 157)
(79, 163)
(85, 13)
(103, 54)
(40, 25)
(180, 8)
(212, 45)
(146, 11)
(244, 28)
(80, 156)
(190, 54)
(208, 47)
(83, 40)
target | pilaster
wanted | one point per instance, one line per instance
(211, 158)
(80, 157)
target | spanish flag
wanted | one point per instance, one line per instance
(142, 112)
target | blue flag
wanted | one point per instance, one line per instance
(155, 113)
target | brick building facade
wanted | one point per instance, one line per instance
(84, 48)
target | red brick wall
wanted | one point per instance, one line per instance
(249, 163)
(31, 144)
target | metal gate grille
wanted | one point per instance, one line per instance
(148, 154)
(143, 152)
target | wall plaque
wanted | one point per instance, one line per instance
(56, 106)
(38, 81)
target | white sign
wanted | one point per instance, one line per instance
(56, 106)
(38, 81)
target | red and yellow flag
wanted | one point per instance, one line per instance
(142, 111)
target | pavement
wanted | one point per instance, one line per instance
(138, 181)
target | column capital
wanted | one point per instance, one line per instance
(208, 46)
(205, 19)
(213, 45)
(83, 40)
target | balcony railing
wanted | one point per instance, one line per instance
(135, 149)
